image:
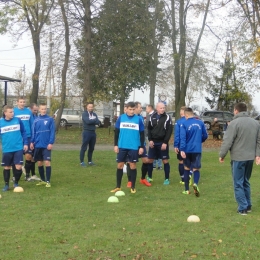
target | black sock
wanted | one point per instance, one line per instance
(41, 172)
(18, 174)
(133, 177)
(6, 173)
(119, 175)
(128, 171)
(48, 173)
(27, 167)
(33, 168)
(144, 170)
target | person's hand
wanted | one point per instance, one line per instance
(31, 146)
(116, 150)
(257, 160)
(183, 154)
(151, 144)
(49, 147)
(221, 160)
(25, 147)
(176, 150)
(215, 119)
(163, 147)
(141, 151)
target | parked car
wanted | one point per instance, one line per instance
(73, 116)
(172, 115)
(208, 117)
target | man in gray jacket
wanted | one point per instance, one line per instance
(242, 138)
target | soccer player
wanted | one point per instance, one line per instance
(43, 137)
(192, 134)
(14, 142)
(26, 116)
(90, 120)
(159, 134)
(128, 144)
(177, 141)
(242, 139)
(143, 156)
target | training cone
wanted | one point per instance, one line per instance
(113, 199)
(193, 218)
(119, 193)
(18, 189)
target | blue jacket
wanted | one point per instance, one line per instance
(43, 131)
(177, 138)
(27, 118)
(192, 133)
(13, 135)
(90, 120)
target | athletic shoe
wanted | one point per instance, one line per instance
(166, 182)
(242, 212)
(129, 184)
(182, 182)
(133, 190)
(187, 192)
(16, 185)
(34, 178)
(23, 170)
(115, 190)
(249, 209)
(41, 183)
(91, 164)
(190, 181)
(145, 182)
(6, 188)
(48, 185)
(83, 164)
(159, 168)
(149, 179)
(196, 190)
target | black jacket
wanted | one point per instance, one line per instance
(160, 130)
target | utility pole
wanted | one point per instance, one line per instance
(49, 78)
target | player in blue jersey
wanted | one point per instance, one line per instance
(43, 137)
(159, 134)
(26, 116)
(192, 134)
(128, 144)
(177, 141)
(14, 142)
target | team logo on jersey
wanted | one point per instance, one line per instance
(45, 122)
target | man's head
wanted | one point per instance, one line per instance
(130, 108)
(160, 108)
(149, 109)
(138, 108)
(42, 109)
(90, 107)
(8, 112)
(240, 107)
(20, 103)
(188, 112)
(182, 111)
(34, 108)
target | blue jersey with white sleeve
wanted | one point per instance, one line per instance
(43, 131)
(177, 137)
(13, 135)
(26, 116)
(192, 134)
(130, 128)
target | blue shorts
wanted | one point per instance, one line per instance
(29, 151)
(42, 154)
(192, 160)
(12, 158)
(127, 155)
(157, 153)
(144, 154)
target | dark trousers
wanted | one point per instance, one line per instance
(88, 142)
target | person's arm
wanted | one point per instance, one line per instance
(182, 138)
(87, 120)
(176, 142)
(168, 130)
(24, 135)
(117, 131)
(204, 133)
(52, 131)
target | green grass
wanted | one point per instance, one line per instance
(72, 219)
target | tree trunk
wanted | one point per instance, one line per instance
(65, 64)
(87, 90)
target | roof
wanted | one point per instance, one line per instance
(3, 78)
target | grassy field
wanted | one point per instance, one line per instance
(72, 220)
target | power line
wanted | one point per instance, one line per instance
(17, 48)
(11, 66)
